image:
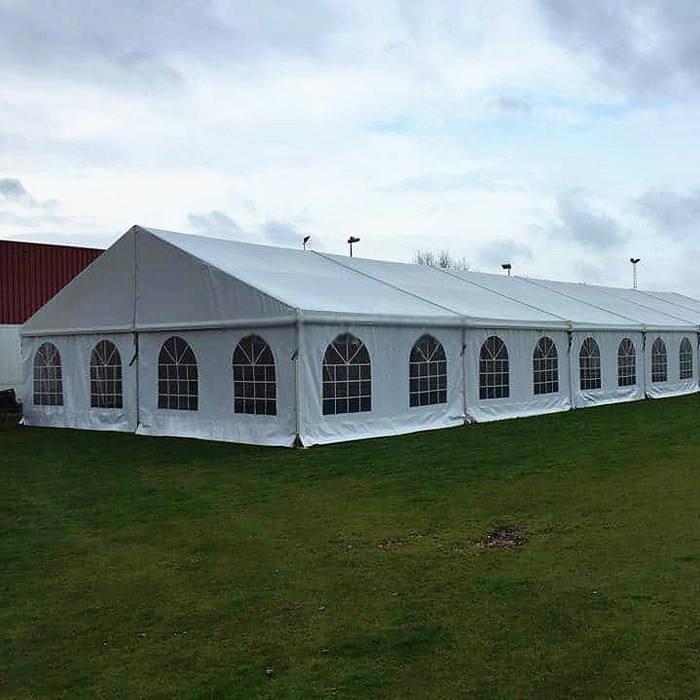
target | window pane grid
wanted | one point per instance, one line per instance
(494, 369)
(545, 367)
(589, 365)
(427, 373)
(685, 358)
(626, 363)
(48, 376)
(105, 376)
(347, 377)
(254, 382)
(178, 383)
(659, 361)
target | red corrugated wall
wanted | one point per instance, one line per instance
(31, 273)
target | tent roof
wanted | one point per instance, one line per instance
(152, 278)
(305, 281)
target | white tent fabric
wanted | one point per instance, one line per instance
(213, 294)
(673, 385)
(521, 400)
(610, 390)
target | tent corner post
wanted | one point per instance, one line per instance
(464, 375)
(298, 383)
(134, 319)
(645, 386)
(137, 381)
(570, 344)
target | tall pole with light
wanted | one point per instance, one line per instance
(351, 240)
(507, 267)
(634, 262)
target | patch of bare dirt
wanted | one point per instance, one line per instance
(503, 537)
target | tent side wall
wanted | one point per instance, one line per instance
(610, 391)
(674, 385)
(215, 418)
(521, 399)
(389, 350)
(76, 412)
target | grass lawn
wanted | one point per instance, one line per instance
(152, 567)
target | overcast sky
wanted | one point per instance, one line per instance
(561, 135)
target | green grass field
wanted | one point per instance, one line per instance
(152, 567)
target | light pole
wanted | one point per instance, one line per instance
(634, 262)
(351, 240)
(306, 240)
(507, 267)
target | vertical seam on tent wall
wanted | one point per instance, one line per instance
(570, 338)
(136, 335)
(463, 363)
(501, 294)
(579, 301)
(644, 365)
(389, 284)
(298, 382)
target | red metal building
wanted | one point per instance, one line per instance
(31, 273)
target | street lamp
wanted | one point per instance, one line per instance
(306, 240)
(634, 262)
(507, 267)
(351, 240)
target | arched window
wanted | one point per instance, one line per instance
(626, 363)
(48, 376)
(177, 376)
(254, 388)
(427, 369)
(105, 376)
(494, 378)
(589, 365)
(347, 376)
(659, 361)
(545, 367)
(685, 357)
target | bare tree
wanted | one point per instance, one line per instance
(442, 260)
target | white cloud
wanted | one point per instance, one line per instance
(455, 125)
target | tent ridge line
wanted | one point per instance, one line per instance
(389, 284)
(501, 294)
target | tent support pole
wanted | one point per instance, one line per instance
(570, 368)
(137, 382)
(298, 383)
(137, 359)
(464, 373)
(644, 365)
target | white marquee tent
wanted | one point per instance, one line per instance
(172, 334)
